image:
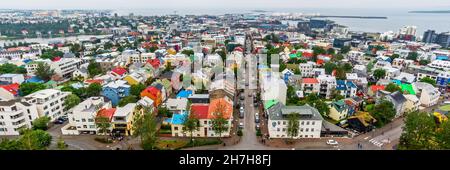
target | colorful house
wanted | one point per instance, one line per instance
(116, 90)
(152, 93)
(9, 92)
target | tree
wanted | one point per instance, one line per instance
(51, 54)
(383, 112)
(379, 73)
(164, 112)
(128, 99)
(391, 87)
(94, 68)
(35, 139)
(191, 123)
(369, 67)
(345, 49)
(71, 101)
(293, 125)
(6, 144)
(219, 123)
(418, 131)
(318, 50)
(424, 62)
(322, 107)
(41, 123)
(394, 56)
(428, 80)
(340, 73)
(188, 52)
(28, 88)
(297, 71)
(331, 51)
(136, 89)
(61, 144)
(412, 56)
(44, 72)
(338, 57)
(103, 124)
(329, 67)
(443, 135)
(94, 89)
(12, 68)
(145, 127)
(347, 67)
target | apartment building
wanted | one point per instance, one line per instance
(327, 83)
(15, 115)
(11, 78)
(49, 102)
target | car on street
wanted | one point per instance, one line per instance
(241, 125)
(257, 126)
(256, 117)
(242, 97)
(241, 112)
(332, 142)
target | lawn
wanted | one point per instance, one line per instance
(184, 143)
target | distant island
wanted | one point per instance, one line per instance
(432, 12)
(260, 11)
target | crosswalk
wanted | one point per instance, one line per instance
(376, 142)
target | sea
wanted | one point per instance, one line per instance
(396, 18)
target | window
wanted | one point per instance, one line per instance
(307, 123)
(306, 136)
(84, 126)
(90, 120)
(279, 122)
(312, 129)
(2, 123)
(313, 123)
(301, 129)
(92, 126)
(83, 120)
(278, 129)
(284, 122)
(284, 129)
(176, 128)
(3, 130)
(303, 123)
(205, 122)
(307, 129)
(1, 117)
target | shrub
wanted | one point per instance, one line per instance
(239, 132)
(258, 133)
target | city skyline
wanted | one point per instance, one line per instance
(232, 4)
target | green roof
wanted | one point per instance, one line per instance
(445, 108)
(293, 56)
(408, 88)
(270, 103)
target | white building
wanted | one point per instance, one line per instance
(429, 95)
(49, 102)
(310, 121)
(12, 78)
(441, 64)
(273, 88)
(15, 115)
(306, 69)
(327, 84)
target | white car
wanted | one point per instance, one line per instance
(332, 142)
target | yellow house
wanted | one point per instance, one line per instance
(122, 122)
(338, 110)
(135, 78)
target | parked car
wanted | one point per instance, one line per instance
(241, 125)
(256, 117)
(332, 142)
(242, 97)
(241, 112)
(257, 126)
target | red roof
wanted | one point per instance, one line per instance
(319, 62)
(200, 110)
(12, 88)
(306, 54)
(119, 71)
(152, 90)
(56, 59)
(239, 49)
(310, 80)
(154, 62)
(108, 113)
(376, 88)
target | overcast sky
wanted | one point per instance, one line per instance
(248, 4)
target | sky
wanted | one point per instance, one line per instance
(224, 4)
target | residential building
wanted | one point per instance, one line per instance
(412, 103)
(177, 106)
(327, 84)
(396, 98)
(429, 95)
(346, 88)
(49, 102)
(362, 122)
(16, 115)
(338, 110)
(116, 90)
(11, 79)
(310, 121)
(309, 86)
(306, 69)
(154, 94)
(9, 92)
(122, 121)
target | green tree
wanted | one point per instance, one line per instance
(163, 111)
(128, 99)
(424, 62)
(293, 125)
(383, 112)
(379, 73)
(145, 127)
(347, 67)
(51, 54)
(61, 144)
(94, 68)
(188, 52)
(418, 131)
(345, 49)
(329, 67)
(41, 123)
(394, 56)
(28, 88)
(35, 139)
(369, 67)
(428, 80)
(7, 144)
(71, 101)
(191, 123)
(412, 56)
(103, 124)
(12, 68)
(443, 135)
(331, 51)
(391, 87)
(318, 50)
(297, 71)
(44, 72)
(93, 89)
(136, 89)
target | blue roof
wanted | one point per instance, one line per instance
(184, 94)
(351, 84)
(34, 79)
(442, 57)
(340, 85)
(178, 119)
(168, 120)
(27, 60)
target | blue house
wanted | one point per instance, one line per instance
(184, 94)
(443, 79)
(286, 74)
(116, 90)
(346, 88)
